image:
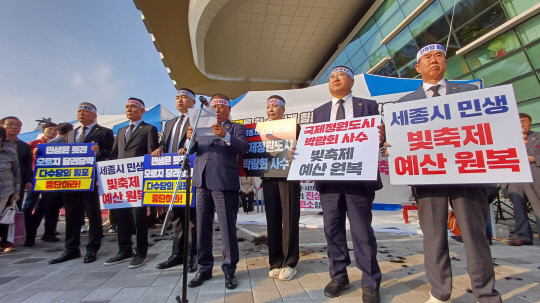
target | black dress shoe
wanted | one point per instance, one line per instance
(334, 288)
(172, 261)
(66, 256)
(370, 295)
(199, 279)
(29, 243)
(119, 258)
(90, 257)
(518, 242)
(230, 282)
(192, 264)
(52, 238)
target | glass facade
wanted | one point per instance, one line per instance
(511, 57)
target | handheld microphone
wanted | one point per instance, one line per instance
(203, 101)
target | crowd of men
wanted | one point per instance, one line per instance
(218, 192)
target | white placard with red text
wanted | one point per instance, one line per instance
(337, 150)
(470, 137)
(120, 183)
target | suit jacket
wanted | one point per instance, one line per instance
(533, 149)
(361, 108)
(219, 161)
(142, 141)
(100, 135)
(24, 153)
(166, 139)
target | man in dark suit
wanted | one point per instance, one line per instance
(135, 140)
(13, 128)
(216, 178)
(348, 198)
(173, 141)
(76, 203)
(470, 202)
(520, 193)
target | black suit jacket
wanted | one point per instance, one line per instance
(166, 139)
(142, 141)
(361, 108)
(24, 153)
(100, 135)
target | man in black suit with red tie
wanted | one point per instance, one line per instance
(135, 140)
(76, 203)
(173, 141)
(348, 198)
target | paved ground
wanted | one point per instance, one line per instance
(26, 276)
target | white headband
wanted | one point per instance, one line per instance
(428, 48)
(186, 93)
(342, 69)
(88, 108)
(219, 101)
(275, 101)
(135, 102)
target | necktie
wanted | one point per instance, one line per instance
(177, 134)
(341, 110)
(435, 90)
(128, 134)
(82, 136)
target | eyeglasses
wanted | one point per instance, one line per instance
(337, 75)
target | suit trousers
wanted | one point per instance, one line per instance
(128, 220)
(178, 219)
(282, 202)
(75, 204)
(247, 201)
(56, 201)
(519, 194)
(471, 208)
(225, 203)
(340, 201)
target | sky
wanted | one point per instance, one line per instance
(56, 54)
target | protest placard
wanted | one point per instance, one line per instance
(470, 137)
(160, 179)
(270, 146)
(309, 197)
(120, 183)
(337, 150)
(64, 167)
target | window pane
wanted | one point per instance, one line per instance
(373, 44)
(534, 55)
(505, 69)
(408, 6)
(358, 58)
(362, 68)
(466, 77)
(405, 54)
(353, 47)
(452, 47)
(529, 31)
(456, 67)
(408, 71)
(526, 88)
(426, 18)
(392, 23)
(386, 70)
(482, 25)
(467, 10)
(448, 4)
(399, 41)
(385, 11)
(493, 50)
(378, 55)
(367, 30)
(434, 32)
(341, 59)
(532, 108)
(516, 7)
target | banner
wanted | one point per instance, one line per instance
(120, 183)
(270, 146)
(470, 137)
(344, 150)
(64, 167)
(309, 197)
(160, 179)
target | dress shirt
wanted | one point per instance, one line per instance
(174, 134)
(136, 123)
(88, 129)
(347, 104)
(442, 89)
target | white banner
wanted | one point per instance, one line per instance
(120, 183)
(471, 137)
(343, 150)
